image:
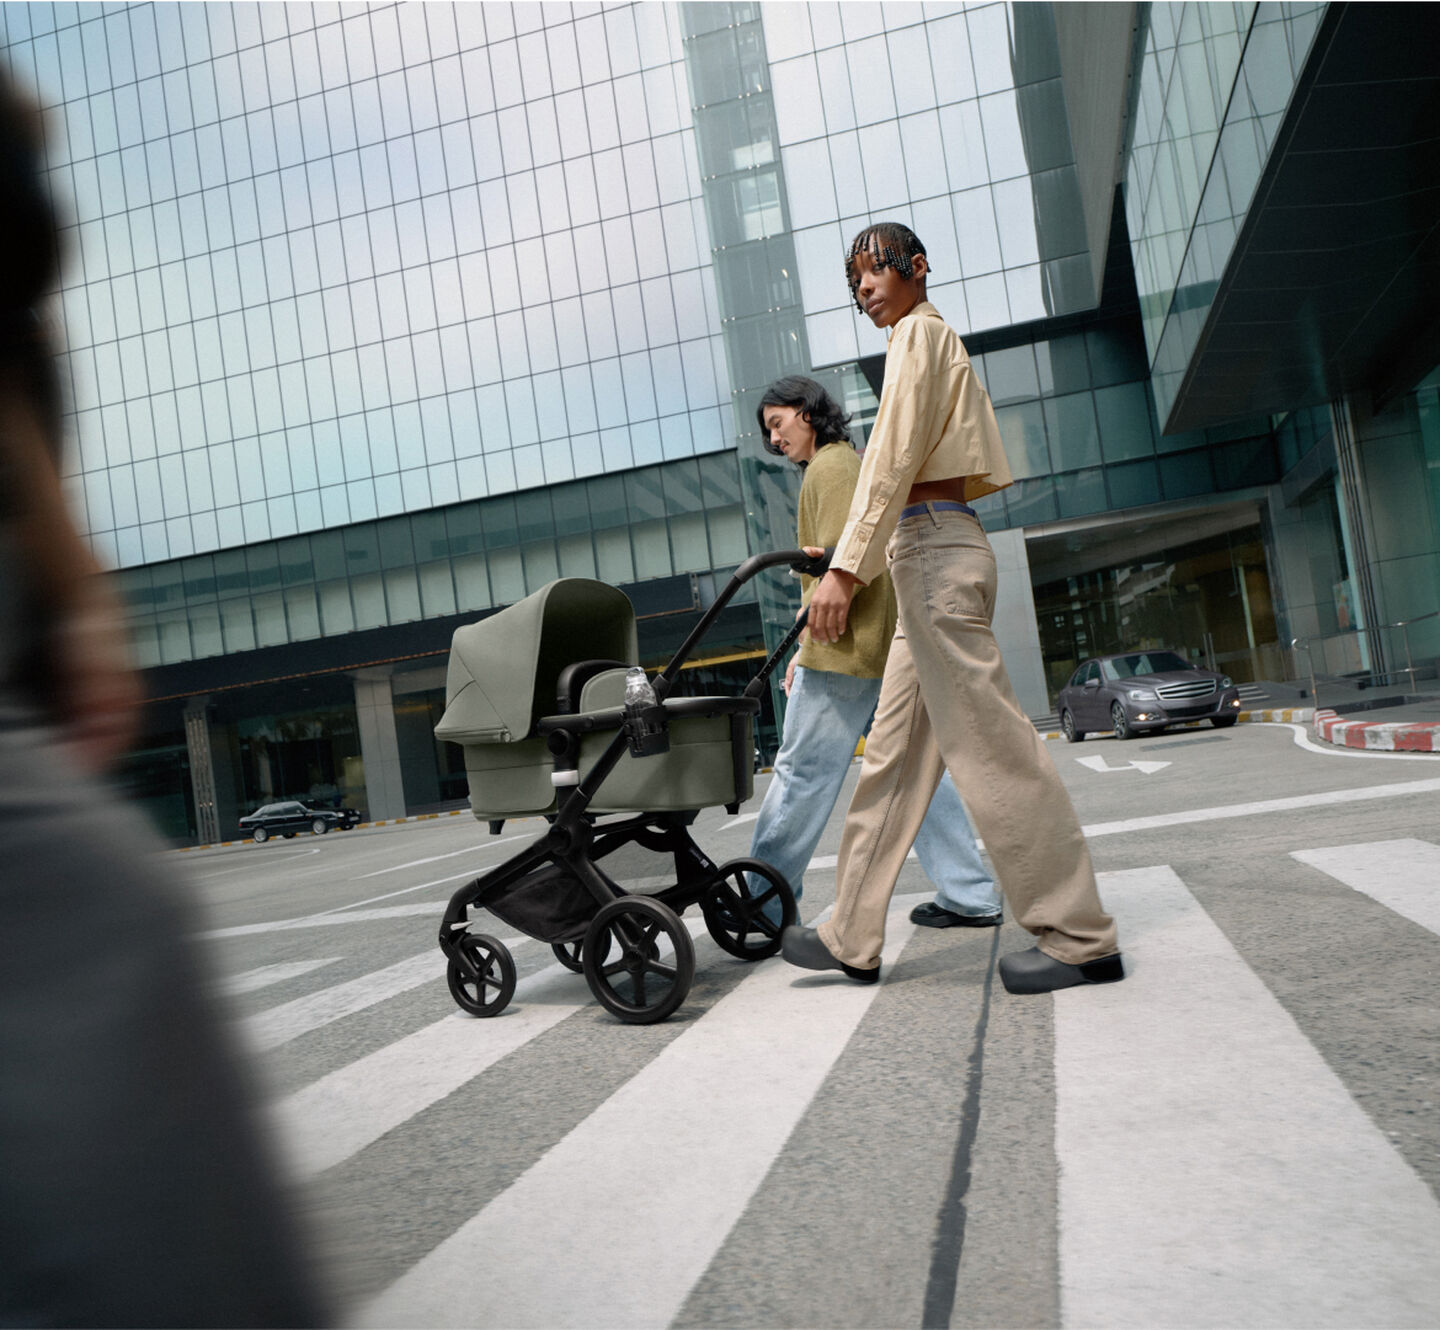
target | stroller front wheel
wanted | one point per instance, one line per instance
(481, 974)
(745, 925)
(640, 984)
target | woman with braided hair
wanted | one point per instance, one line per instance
(945, 700)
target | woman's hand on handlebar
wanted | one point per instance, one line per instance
(830, 605)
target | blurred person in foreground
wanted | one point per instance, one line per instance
(134, 1187)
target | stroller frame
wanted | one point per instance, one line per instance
(619, 939)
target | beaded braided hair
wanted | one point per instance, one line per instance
(889, 245)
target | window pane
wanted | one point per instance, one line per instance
(369, 599)
(1074, 434)
(336, 615)
(1124, 413)
(1023, 429)
(472, 583)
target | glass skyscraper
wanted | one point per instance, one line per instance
(379, 317)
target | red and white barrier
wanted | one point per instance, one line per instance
(1390, 738)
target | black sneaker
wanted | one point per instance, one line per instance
(931, 915)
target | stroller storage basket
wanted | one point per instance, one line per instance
(548, 903)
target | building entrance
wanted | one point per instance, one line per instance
(1197, 583)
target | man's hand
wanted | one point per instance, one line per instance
(830, 605)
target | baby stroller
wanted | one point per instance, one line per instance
(536, 696)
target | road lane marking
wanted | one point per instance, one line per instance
(1326, 799)
(1221, 812)
(435, 858)
(251, 981)
(709, 1113)
(1403, 875)
(1097, 763)
(823, 861)
(437, 908)
(1124, 827)
(1214, 1171)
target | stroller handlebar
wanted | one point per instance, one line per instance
(801, 562)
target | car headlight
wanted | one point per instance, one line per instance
(1140, 694)
(1227, 682)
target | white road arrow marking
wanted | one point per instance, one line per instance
(1098, 763)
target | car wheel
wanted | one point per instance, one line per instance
(1067, 723)
(1223, 722)
(319, 827)
(259, 835)
(1120, 721)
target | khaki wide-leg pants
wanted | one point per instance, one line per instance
(946, 701)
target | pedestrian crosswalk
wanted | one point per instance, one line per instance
(1213, 1167)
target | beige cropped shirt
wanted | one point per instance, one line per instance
(935, 422)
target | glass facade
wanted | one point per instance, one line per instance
(948, 117)
(1212, 89)
(649, 522)
(331, 264)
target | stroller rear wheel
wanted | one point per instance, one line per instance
(570, 954)
(744, 925)
(640, 986)
(481, 974)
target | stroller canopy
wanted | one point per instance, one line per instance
(503, 670)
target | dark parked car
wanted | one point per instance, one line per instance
(1139, 692)
(288, 818)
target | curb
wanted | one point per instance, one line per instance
(1396, 737)
(383, 822)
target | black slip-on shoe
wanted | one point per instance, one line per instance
(1034, 972)
(933, 915)
(803, 947)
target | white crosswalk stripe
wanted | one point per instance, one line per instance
(1310, 1219)
(251, 981)
(1401, 874)
(1214, 1169)
(279, 1025)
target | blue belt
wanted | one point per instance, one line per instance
(937, 505)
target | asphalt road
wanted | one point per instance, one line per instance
(1244, 1133)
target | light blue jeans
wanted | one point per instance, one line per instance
(826, 715)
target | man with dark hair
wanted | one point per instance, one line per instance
(946, 700)
(833, 686)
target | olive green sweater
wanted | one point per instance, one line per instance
(824, 506)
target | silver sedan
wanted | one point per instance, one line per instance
(1139, 692)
